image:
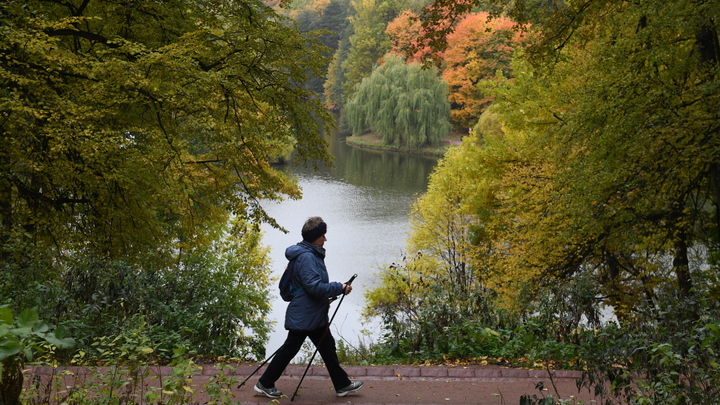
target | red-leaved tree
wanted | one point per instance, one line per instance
(404, 32)
(476, 50)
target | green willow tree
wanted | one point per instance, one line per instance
(404, 103)
(133, 132)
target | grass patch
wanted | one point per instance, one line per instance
(374, 141)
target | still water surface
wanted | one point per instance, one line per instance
(365, 200)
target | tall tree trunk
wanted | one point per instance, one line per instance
(11, 382)
(681, 266)
(715, 176)
(709, 46)
(6, 214)
(708, 43)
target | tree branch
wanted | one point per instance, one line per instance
(82, 34)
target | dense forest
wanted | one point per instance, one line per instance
(137, 142)
(577, 226)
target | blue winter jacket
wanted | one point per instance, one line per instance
(308, 309)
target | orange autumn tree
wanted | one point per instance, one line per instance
(476, 51)
(404, 32)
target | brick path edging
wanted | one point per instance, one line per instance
(371, 372)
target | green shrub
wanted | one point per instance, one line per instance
(22, 339)
(673, 358)
(214, 298)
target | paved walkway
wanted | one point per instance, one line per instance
(392, 385)
(420, 385)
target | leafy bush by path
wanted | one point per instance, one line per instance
(451, 315)
(668, 352)
(674, 359)
(213, 298)
(23, 338)
(130, 382)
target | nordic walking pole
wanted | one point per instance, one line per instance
(321, 339)
(256, 370)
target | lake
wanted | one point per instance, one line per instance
(365, 199)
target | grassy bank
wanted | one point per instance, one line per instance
(374, 141)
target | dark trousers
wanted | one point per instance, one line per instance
(293, 344)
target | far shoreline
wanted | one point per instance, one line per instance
(373, 141)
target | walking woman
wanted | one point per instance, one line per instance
(307, 312)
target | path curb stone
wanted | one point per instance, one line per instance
(389, 385)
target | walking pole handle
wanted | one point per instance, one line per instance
(348, 283)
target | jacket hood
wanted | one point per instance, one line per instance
(308, 310)
(294, 251)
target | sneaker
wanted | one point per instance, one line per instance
(354, 387)
(268, 392)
